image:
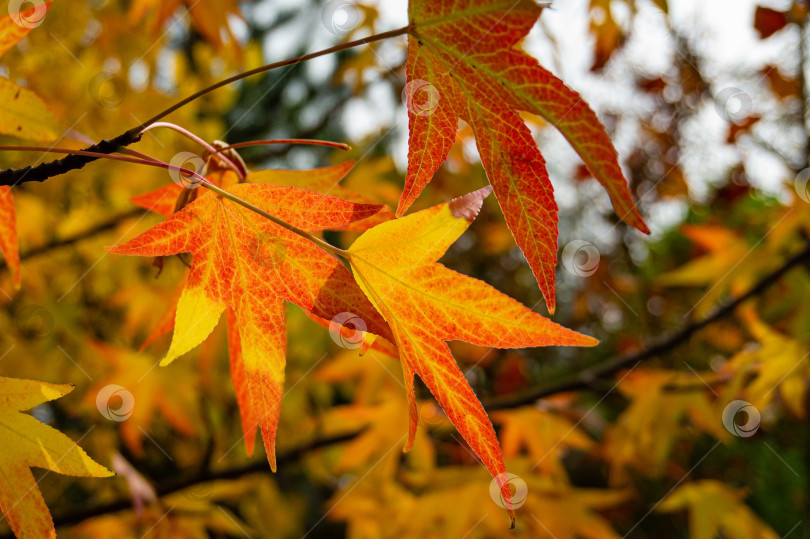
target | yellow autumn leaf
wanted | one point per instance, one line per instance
(716, 510)
(25, 115)
(427, 304)
(644, 435)
(28, 443)
(776, 368)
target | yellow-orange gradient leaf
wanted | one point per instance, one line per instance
(426, 304)
(248, 263)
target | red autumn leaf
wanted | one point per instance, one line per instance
(463, 63)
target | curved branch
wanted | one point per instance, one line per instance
(39, 173)
(163, 489)
(587, 378)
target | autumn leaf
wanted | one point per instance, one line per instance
(245, 261)
(644, 435)
(716, 510)
(22, 115)
(209, 17)
(376, 408)
(383, 509)
(719, 267)
(28, 443)
(775, 368)
(25, 115)
(164, 201)
(463, 63)
(427, 304)
(608, 34)
(15, 26)
(546, 436)
(324, 180)
(149, 395)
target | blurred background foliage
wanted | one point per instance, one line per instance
(707, 102)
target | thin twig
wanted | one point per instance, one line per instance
(39, 173)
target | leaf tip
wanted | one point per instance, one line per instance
(468, 206)
(167, 359)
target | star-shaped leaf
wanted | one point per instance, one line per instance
(252, 265)
(427, 304)
(463, 63)
(28, 443)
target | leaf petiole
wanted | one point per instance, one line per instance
(213, 151)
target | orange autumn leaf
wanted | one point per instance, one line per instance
(427, 304)
(15, 26)
(324, 180)
(249, 263)
(28, 443)
(463, 63)
(209, 17)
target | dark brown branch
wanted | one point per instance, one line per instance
(163, 489)
(16, 176)
(587, 378)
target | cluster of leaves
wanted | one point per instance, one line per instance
(259, 239)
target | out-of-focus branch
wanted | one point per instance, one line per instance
(100, 228)
(204, 476)
(587, 378)
(47, 170)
